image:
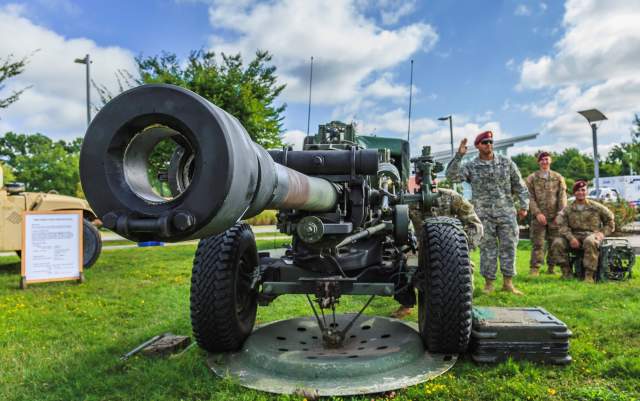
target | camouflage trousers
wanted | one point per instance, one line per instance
(541, 240)
(499, 242)
(588, 242)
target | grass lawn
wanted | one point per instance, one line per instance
(62, 341)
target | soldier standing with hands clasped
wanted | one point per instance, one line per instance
(494, 181)
(548, 196)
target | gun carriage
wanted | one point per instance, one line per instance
(342, 198)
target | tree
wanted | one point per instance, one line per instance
(527, 164)
(248, 93)
(9, 69)
(41, 163)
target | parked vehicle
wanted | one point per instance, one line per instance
(627, 186)
(603, 194)
(14, 200)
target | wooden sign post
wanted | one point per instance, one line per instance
(51, 247)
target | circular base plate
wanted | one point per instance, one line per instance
(379, 354)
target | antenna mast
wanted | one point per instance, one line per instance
(410, 93)
(310, 81)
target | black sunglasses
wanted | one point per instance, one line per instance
(486, 142)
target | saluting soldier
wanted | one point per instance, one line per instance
(448, 204)
(582, 224)
(494, 180)
(547, 197)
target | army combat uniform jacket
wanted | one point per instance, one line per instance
(548, 195)
(494, 184)
(581, 223)
(450, 204)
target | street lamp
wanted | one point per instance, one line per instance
(593, 116)
(450, 118)
(86, 61)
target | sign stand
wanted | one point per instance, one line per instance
(51, 247)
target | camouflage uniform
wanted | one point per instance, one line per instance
(548, 195)
(581, 223)
(493, 185)
(450, 204)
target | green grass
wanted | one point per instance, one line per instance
(62, 341)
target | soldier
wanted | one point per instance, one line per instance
(548, 196)
(449, 204)
(494, 181)
(582, 224)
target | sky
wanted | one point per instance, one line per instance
(513, 66)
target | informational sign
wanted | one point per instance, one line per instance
(51, 246)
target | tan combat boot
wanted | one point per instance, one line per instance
(488, 286)
(550, 270)
(401, 312)
(589, 276)
(508, 286)
(534, 271)
(567, 274)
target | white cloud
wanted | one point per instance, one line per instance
(392, 10)
(294, 138)
(55, 103)
(383, 87)
(601, 41)
(596, 64)
(543, 7)
(522, 10)
(348, 48)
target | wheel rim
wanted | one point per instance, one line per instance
(244, 307)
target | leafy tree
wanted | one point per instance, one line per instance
(7, 174)
(10, 68)
(41, 163)
(248, 93)
(527, 164)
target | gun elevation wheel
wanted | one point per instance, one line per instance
(444, 303)
(223, 305)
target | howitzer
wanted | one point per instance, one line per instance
(342, 199)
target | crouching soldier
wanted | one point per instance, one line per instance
(448, 204)
(582, 224)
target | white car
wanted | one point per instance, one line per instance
(603, 194)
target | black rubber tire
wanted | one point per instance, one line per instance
(91, 244)
(444, 305)
(223, 307)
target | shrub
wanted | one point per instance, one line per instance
(623, 212)
(265, 218)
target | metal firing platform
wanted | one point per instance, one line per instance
(379, 354)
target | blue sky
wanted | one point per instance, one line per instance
(513, 66)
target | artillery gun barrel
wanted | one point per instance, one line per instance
(217, 174)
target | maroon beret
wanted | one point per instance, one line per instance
(543, 154)
(579, 184)
(483, 135)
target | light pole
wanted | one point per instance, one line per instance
(86, 61)
(450, 118)
(593, 116)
